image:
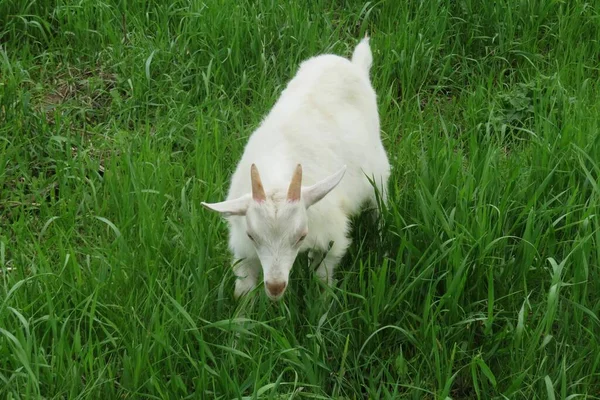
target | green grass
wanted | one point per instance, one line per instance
(118, 117)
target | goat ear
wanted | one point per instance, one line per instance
(313, 194)
(230, 207)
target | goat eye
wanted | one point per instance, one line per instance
(302, 238)
(250, 237)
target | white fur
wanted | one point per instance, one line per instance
(326, 120)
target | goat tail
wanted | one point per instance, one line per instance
(362, 56)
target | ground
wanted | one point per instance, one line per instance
(117, 118)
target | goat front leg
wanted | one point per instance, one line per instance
(326, 269)
(246, 272)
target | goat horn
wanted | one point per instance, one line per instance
(294, 190)
(258, 192)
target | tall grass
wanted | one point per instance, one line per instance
(118, 117)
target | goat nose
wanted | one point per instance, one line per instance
(275, 289)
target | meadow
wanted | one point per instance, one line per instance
(118, 117)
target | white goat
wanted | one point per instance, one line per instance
(324, 126)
